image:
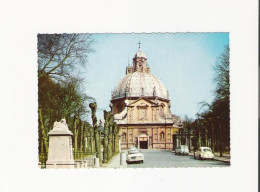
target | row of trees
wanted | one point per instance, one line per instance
(60, 100)
(62, 59)
(110, 135)
(212, 126)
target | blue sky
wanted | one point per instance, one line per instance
(183, 61)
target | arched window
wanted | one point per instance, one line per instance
(162, 136)
(124, 136)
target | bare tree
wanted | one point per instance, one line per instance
(222, 75)
(60, 54)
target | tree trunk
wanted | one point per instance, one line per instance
(189, 138)
(110, 136)
(93, 147)
(44, 134)
(212, 138)
(117, 143)
(115, 138)
(84, 138)
(75, 136)
(199, 140)
(206, 138)
(93, 107)
(97, 145)
(81, 139)
(105, 147)
(220, 140)
(110, 141)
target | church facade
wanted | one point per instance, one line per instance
(141, 108)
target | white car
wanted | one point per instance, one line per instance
(182, 149)
(134, 155)
(203, 153)
(133, 148)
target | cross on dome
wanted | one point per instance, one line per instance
(139, 44)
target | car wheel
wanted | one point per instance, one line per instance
(200, 157)
(142, 161)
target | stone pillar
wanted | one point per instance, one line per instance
(60, 146)
(85, 164)
(123, 160)
(96, 162)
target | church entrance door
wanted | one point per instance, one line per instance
(143, 141)
(143, 144)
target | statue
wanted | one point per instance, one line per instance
(60, 126)
(63, 121)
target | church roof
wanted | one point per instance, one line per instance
(144, 99)
(140, 84)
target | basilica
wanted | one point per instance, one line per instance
(141, 107)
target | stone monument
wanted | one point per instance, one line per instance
(60, 153)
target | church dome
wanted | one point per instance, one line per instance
(140, 84)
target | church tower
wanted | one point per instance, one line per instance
(139, 63)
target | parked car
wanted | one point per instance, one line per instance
(133, 148)
(203, 153)
(134, 155)
(182, 149)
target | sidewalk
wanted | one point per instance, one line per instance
(225, 157)
(114, 162)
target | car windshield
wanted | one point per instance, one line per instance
(184, 147)
(133, 151)
(207, 150)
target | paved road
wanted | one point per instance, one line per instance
(161, 159)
